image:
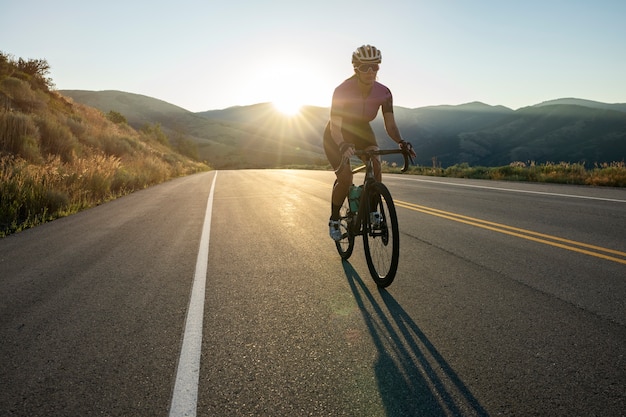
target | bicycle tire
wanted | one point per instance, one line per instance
(381, 241)
(345, 245)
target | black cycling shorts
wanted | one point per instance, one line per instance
(358, 133)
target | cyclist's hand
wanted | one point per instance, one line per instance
(407, 147)
(346, 149)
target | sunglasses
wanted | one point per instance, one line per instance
(368, 67)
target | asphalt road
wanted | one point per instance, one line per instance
(510, 300)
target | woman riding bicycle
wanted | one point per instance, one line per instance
(354, 105)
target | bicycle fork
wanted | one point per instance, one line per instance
(368, 216)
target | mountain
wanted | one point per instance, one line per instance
(584, 103)
(549, 133)
(251, 136)
(496, 136)
(434, 131)
(563, 130)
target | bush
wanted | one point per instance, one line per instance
(154, 132)
(18, 135)
(608, 174)
(27, 195)
(116, 117)
(117, 145)
(611, 174)
(76, 125)
(56, 138)
(23, 96)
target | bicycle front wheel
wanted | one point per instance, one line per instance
(381, 237)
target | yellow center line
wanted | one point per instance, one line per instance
(592, 250)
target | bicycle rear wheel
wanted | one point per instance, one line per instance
(381, 237)
(345, 246)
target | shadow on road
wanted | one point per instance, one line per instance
(413, 378)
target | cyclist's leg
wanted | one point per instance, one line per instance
(340, 190)
(342, 172)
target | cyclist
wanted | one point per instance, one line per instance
(355, 104)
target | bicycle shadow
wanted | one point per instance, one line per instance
(413, 377)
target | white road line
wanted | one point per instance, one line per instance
(517, 191)
(185, 395)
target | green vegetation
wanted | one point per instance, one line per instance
(607, 174)
(58, 157)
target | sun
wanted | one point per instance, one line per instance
(289, 92)
(288, 95)
(289, 85)
(289, 106)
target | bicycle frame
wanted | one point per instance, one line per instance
(360, 225)
(358, 221)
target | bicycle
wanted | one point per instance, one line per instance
(369, 211)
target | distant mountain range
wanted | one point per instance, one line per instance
(563, 130)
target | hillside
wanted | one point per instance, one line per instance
(252, 136)
(559, 132)
(58, 157)
(568, 130)
(435, 130)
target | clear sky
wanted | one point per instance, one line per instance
(206, 54)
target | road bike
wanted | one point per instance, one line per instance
(369, 211)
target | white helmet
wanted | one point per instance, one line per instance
(366, 54)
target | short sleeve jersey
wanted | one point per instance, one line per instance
(349, 104)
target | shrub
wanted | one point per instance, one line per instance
(116, 117)
(117, 145)
(154, 132)
(608, 174)
(76, 125)
(18, 135)
(27, 195)
(36, 72)
(56, 138)
(22, 95)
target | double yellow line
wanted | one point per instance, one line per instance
(597, 251)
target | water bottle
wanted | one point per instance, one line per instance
(354, 195)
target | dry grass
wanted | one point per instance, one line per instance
(58, 157)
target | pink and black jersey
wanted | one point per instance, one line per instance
(349, 103)
(356, 113)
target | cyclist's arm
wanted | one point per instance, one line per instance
(394, 133)
(335, 133)
(391, 127)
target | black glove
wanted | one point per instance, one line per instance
(407, 147)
